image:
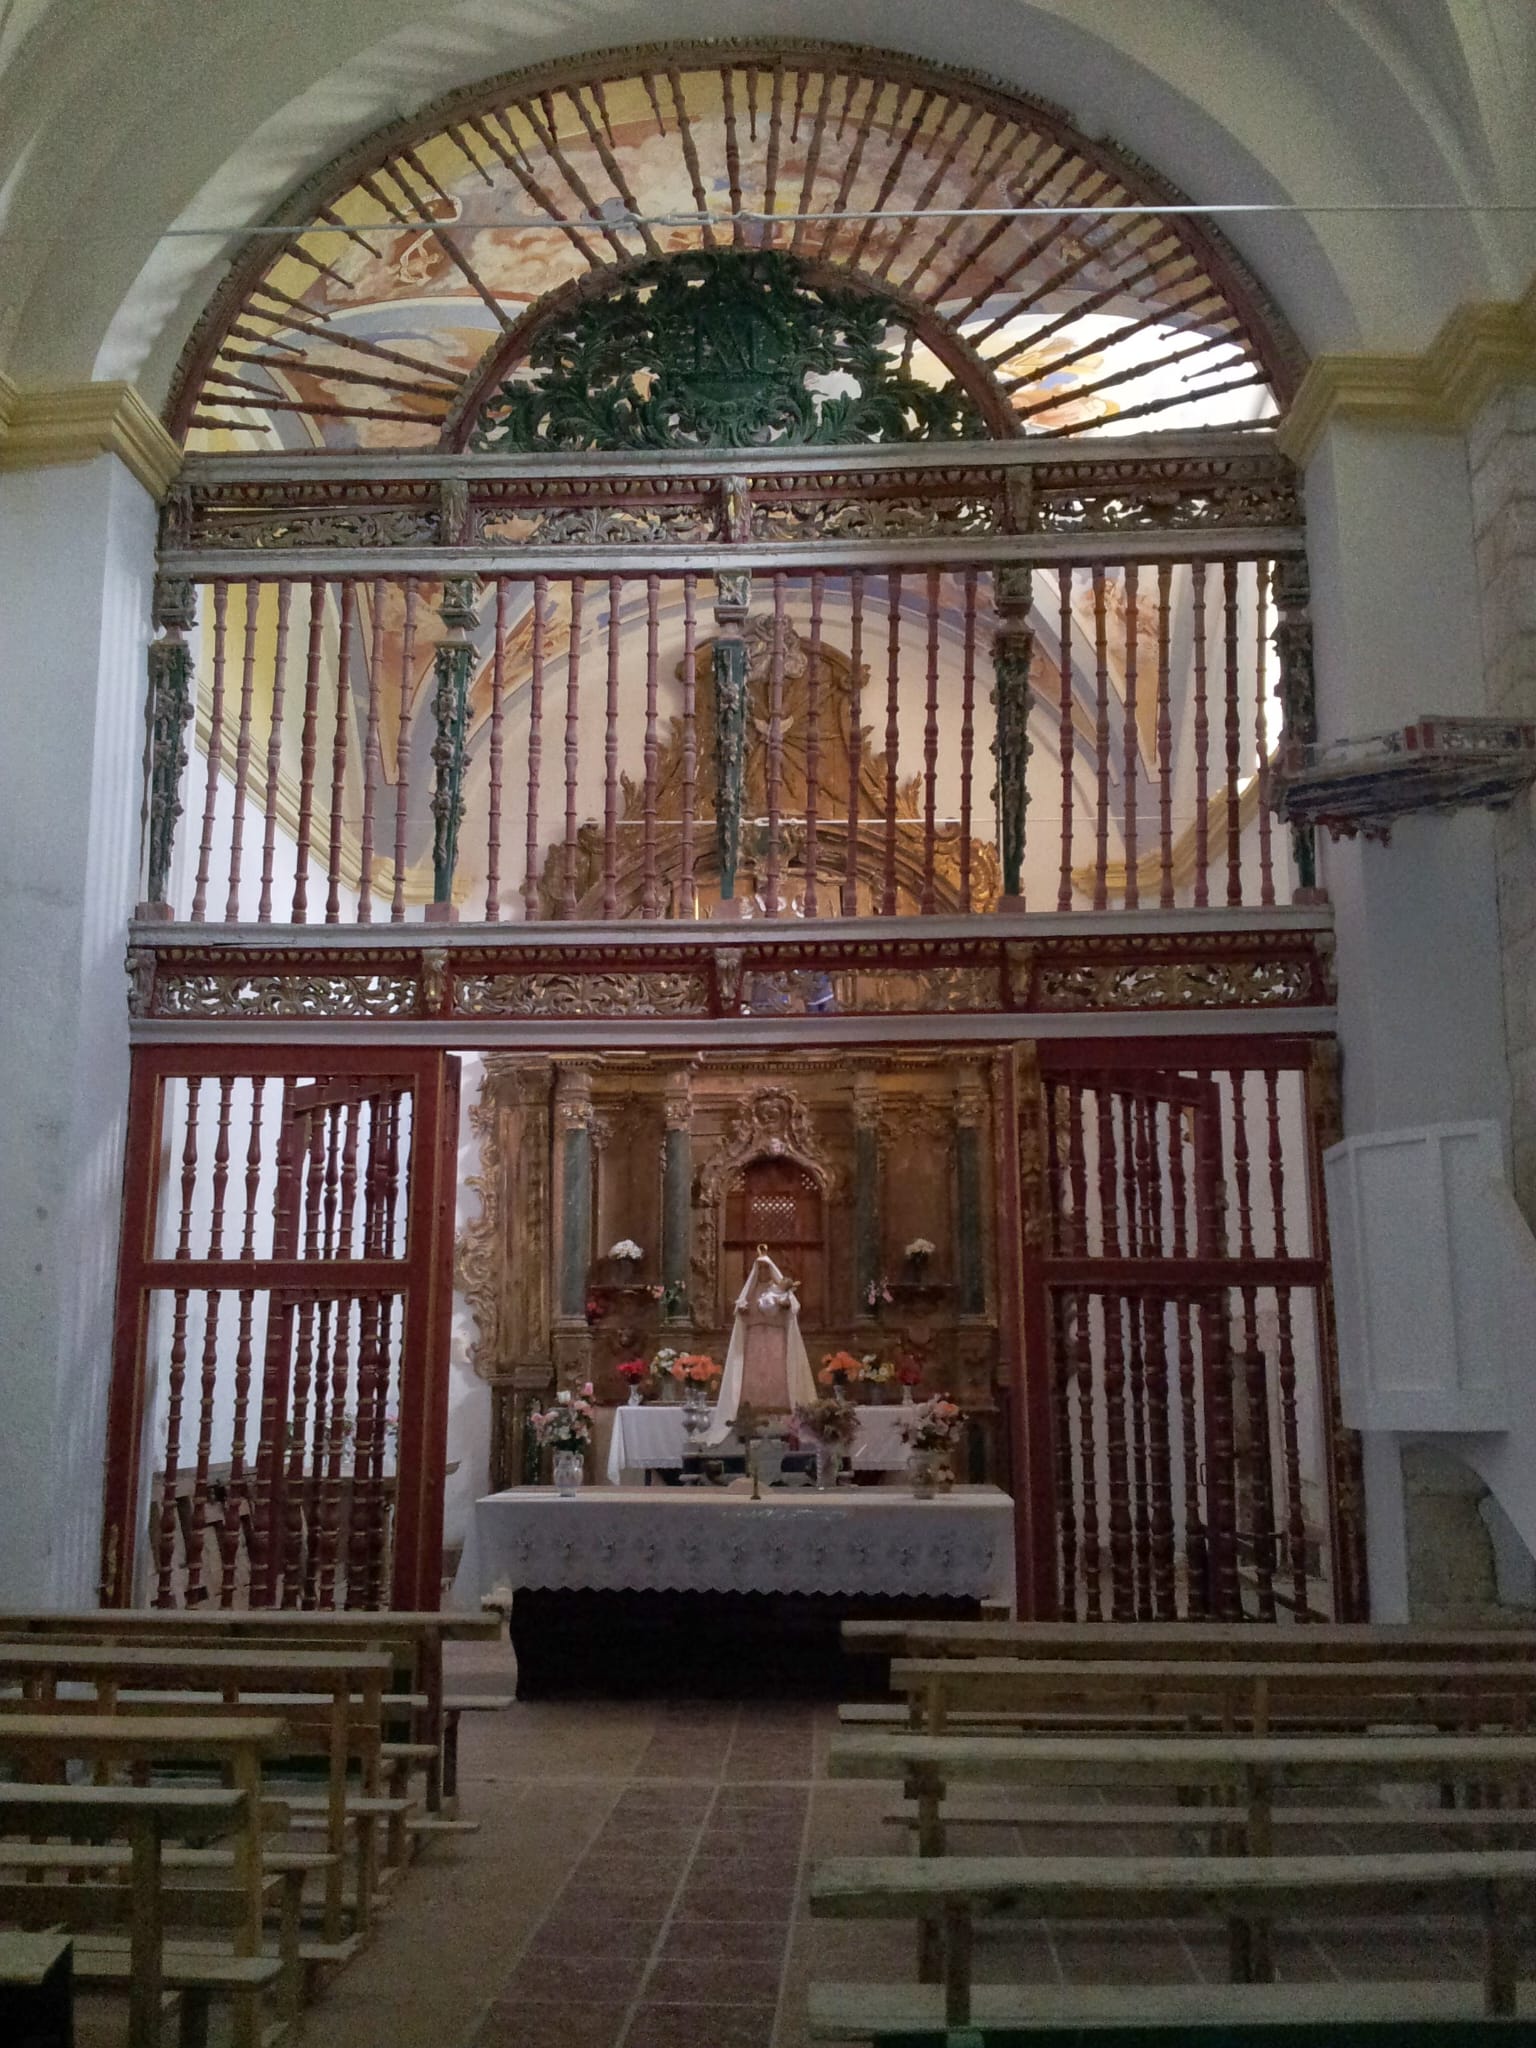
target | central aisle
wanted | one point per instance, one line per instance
(638, 1881)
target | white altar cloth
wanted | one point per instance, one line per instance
(862, 1540)
(653, 1438)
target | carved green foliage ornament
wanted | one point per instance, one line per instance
(726, 348)
(170, 713)
(450, 711)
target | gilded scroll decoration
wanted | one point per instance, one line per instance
(581, 995)
(1175, 985)
(313, 995)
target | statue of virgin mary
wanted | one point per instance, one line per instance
(765, 1364)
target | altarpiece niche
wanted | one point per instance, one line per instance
(866, 1178)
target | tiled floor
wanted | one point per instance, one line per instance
(638, 1881)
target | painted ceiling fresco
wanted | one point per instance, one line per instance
(424, 274)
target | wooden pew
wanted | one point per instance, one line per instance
(1256, 1696)
(149, 1818)
(414, 1638)
(1206, 1641)
(37, 2000)
(332, 1707)
(1496, 1884)
(1239, 1776)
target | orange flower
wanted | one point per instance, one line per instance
(837, 1366)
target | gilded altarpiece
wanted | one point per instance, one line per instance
(839, 1163)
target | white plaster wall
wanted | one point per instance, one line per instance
(75, 551)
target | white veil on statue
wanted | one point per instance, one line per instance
(766, 1365)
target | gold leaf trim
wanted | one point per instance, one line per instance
(1481, 347)
(78, 422)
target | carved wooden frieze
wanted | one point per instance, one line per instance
(177, 976)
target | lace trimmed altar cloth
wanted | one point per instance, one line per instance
(869, 1540)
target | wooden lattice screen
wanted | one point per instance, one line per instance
(279, 1397)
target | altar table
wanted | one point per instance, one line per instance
(651, 1439)
(637, 1590)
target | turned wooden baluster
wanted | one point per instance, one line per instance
(572, 744)
(336, 1450)
(1082, 1352)
(1154, 1322)
(196, 1591)
(775, 750)
(1216, 1365)
(690, 737)
(177, 1377)
(1122, 1591)
(1202, 743)
(892, 733)
(1261, 732)
(1062, 1376)
(967, 736)
(498, 720)
(272, 1446)
(610, 763)
(1295, 1512)
(535, 747)
(304, 1499)
(1260, 1455)
(1196, 1549)
(931, 748)
(1132, 1170)
(366, 1447)
(1065, 734)
(309, 748)
(1101, 741)
(343, 710)
(813, 746)
(373, 758)
(1131, 738)
(215, 750)
(650, 904)
(1164, 743)
(251, 593)
(274, 754)
(239, 1494)
(855, 735)
(403, 750)
(1234, 732)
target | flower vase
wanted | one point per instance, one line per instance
(569, 1471)
(920, 1471)
(635, 1399)
(828, 1460)
(671, 1394)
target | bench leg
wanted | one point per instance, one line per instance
(245, 2029)
(957, 1965)
(450, 1762)
(193, 2030)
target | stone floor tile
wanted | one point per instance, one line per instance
(603, 1977)
(713, 1980)
(559, 2023)
(694, 2026)
(746, 1940)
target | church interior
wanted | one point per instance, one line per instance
(768, 1159)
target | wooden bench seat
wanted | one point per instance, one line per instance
(1236, 1772)
(952, 1891)
(1312, 2015)
(1255, 1695)
(37, 2004)
(1204, 1641)
(197, 1974)
(150, 1819)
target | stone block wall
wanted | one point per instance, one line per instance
(1501, 450)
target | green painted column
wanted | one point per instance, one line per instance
(1298, 691)
(1013, 648)
(170, 715)
(677, 1199)
(970, 1213)
(450, 709)
(573, 1111)
(733, 595)
(866, 1184)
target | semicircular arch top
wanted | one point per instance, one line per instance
(424, 269)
